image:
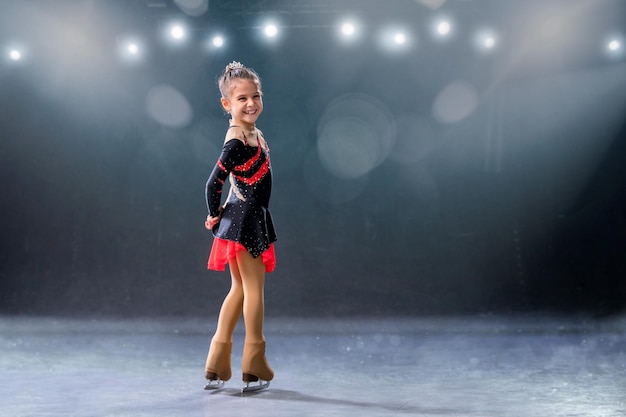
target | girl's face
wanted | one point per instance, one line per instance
(245, 102)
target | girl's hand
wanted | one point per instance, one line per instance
(212, 221)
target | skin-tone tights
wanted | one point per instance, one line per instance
(246, 295)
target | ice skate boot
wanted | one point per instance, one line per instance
(255, 368)
(217, 370)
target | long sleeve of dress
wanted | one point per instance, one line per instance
(233, 154)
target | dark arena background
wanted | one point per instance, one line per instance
(449, 197)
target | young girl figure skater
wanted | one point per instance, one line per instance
(243, 230)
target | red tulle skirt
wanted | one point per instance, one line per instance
(224, 250)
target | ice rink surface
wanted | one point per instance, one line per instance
(478, 366)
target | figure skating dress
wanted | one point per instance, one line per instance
(246, 223)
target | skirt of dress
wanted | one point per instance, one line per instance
(224, 250)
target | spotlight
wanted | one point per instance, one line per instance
(15, 55)
(486, 40)
(395, 39)
(444, 28)
(218, 41)
(271, 30)
(399, 38)
(132, 48)
(347, 29)
(614, 45)
(177, 32)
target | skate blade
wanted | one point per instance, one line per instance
(214, 385)
(254, 387)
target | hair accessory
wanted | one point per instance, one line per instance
(234, 65)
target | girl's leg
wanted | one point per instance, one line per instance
(232, 307)
(218, 360)
(253, 280)
(252, 272)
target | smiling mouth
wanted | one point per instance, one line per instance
(250, 112)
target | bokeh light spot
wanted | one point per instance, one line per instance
(355, 134)
(193, 7)
(325, 186)
(416, 139)
(455, 102)
(168, 106)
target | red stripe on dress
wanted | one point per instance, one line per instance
(247, 165)
(257, 176)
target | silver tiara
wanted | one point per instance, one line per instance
(234, 65)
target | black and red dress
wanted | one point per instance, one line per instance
(246, 223)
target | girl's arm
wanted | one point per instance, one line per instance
(232, 155)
